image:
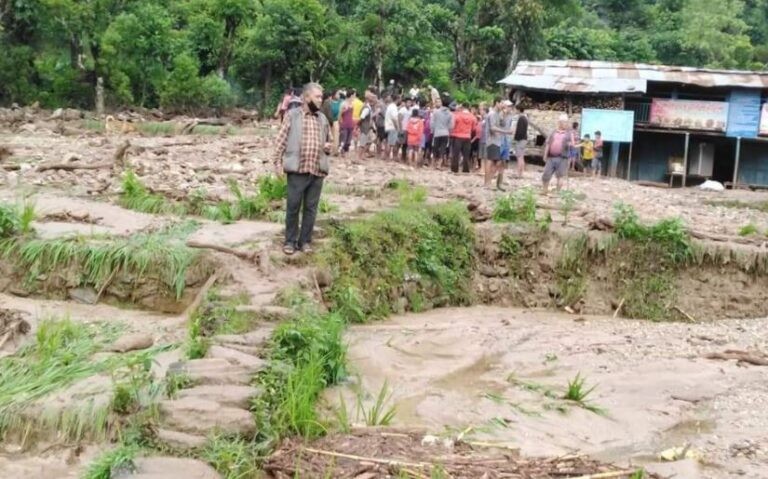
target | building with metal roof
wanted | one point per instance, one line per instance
(693, 123)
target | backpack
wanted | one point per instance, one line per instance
(378, 119)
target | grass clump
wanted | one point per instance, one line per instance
(571, 270)
(517, 207)
(233, 458)
(110, 463)
(157, 128)
(161, 255)
(135, 196)
(216, 315)
(378, 414)
(427, 250)
(651, 256)
(748, 230)
(16, 219)
(307, 355)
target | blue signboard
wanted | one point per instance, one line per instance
(743, 113)
(615, 125)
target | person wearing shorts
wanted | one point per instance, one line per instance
(555, 154)
(494, 166)
(588, 154)
(391, 127)
(574, 149)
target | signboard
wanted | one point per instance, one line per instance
(689, 114)
(744, 113)
(614, 125)
(764, 120)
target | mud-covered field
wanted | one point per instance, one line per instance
(130, 278)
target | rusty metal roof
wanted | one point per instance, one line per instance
(608, 77)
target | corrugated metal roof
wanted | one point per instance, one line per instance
(561, 74)
(576, 84)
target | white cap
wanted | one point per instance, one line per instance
(506, 103)
(562, 117)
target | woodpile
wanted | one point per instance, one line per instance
(577, 103)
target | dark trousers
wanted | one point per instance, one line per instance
(303, 189)
(346, 138)
(460, 147)
(440, 147)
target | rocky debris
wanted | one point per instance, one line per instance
(235, 357)
(160, 467)
(196, 416)
(233, 396)
(212, 371)
(180, 440)
(131, 342)
(67, 114)
(84, 295)
(13, 324)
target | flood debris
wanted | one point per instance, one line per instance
(373, 453)
(13, 324)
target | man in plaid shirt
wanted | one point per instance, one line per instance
(303, 146)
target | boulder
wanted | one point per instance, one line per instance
(197, 416)
(234, 396)
(160, 467)
(84, 295)
(180, 440)
(252, 363)
(131, 342)
(212, 371)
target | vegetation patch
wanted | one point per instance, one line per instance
(571, 271)
(270, 193)
(16, 219)
(61, 355)
(96, 260)
(306, 355)
(419, 252)
(113, 462)
(216, 315)
(516, 207)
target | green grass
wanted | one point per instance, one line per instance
(135, 196)
(16, 219)
(214, 130)
(567, 204)
(269, 193)
(577, 390)
(161, 255)
(517, 207)
(111, 462)
(233, 458)
(749, 230)
(306, 355)
(378, 414)
(412, 249)
(216, 315)
(571, 270)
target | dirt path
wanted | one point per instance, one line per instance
(490, 369)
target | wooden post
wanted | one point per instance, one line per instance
(736, 166)
(614, 159)
(629, 163)
(685, 158)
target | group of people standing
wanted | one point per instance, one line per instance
(428, 130)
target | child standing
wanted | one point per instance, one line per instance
(588, 153)
(415, 132)
(598, 161)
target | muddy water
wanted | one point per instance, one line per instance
(499, 375)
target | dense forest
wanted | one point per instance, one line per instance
(189, 54)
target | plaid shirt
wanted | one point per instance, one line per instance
(311, 146)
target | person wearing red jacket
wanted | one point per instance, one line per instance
(464, 124)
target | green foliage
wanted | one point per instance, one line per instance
(748, 230)
(509, 246)
(571, 270)
(161, 254)
(577, 390)
(517, 207)
(413, 248)
(378, 414)
(112, 462)
(234, 458)
(136, 197)
(669, 232)
(307, 354)
(567, 203)
(17, 219)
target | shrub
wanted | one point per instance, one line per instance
(517, 207)
(183, 89)
(218, 93)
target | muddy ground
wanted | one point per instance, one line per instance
(493, 373)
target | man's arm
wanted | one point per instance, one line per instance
(546, 148)
(282, 142)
